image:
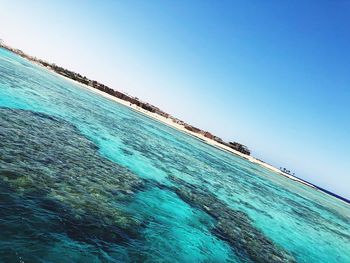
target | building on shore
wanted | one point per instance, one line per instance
(239, 147)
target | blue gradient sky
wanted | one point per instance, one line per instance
(273, 75)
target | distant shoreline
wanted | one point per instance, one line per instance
(169, 122)
(202, 138)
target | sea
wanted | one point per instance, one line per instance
(85, 179)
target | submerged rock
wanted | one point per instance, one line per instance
(52, 165)
(233, 226)
(48, 158)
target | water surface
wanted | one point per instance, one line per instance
(88, 180)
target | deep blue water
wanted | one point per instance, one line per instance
(84, 179)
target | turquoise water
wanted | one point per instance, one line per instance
(84, 179)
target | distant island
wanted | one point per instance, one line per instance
(133, 100)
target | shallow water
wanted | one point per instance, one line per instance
(85, 179)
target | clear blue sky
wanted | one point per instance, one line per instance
(274, 75)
